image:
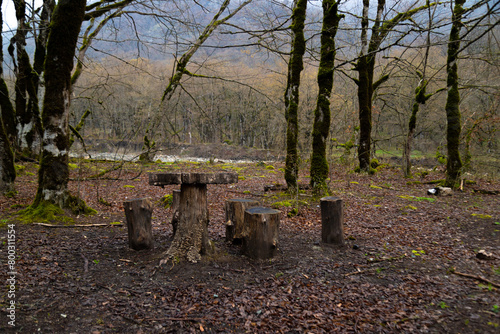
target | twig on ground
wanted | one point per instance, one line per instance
(479, 278)
(85, 263)
(75, 225)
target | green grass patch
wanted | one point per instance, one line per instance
(128, 186)
(418, 199)
(481, 216)
(43, 212)
(167, 201)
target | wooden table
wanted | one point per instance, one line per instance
(191, 238)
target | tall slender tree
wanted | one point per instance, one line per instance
(365, 67)
(295, 67)
(322, 116)
(453, 128)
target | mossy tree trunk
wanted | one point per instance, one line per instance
(454, 163)
(7, 170)
(322, 116)
(295, 66)
(53, 175)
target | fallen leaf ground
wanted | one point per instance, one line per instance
(397, 272)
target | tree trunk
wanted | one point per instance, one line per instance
(7, 110)
(332, 220)
(365, 67)
(138, 213)
(321, 127)
(419, 99)
(54, 173)
(235, 218)
(260, 238)
(191, 238)
(295, 66)
(7, 169)
(29, 128)
(454, 163)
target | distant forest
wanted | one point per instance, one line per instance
(232, 90)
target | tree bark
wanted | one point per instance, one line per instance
(332, 220)
(7, 169)
(295, 66)
(176, 200)
(260, 238)
(191, 238)
(454, 163)
(235, 218)
(7, 110)
(138, 213)
(29, 127)
(321, 127)
(53, 175)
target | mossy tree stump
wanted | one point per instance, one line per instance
(235, 218)
(260, 235)
(138, 213)
(332, 220)
(191, 236)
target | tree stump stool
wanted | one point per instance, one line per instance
(176, 200)
(191, 236)
(235, 218)
(138, 214)
(260, 234)
(332, 220)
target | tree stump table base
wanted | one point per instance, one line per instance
(191, 236)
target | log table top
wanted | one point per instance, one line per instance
(163, 179)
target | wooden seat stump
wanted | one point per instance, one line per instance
(260, 234)
(332, 220)
(235, 218)
(138, 214)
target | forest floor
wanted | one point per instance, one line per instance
(401, 270)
